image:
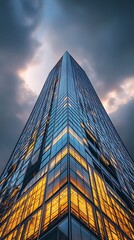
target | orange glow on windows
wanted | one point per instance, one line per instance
(31, 146)
(62, 154)
(58, 158)
(19, 234)
(80, 177)
(56, 207)
(26, 205)
(85, 141)
(47, 148)
(99, 219)
(123, 219)
(105, 201)
(112, 232)
(63, 132)
(94, 191)
(32, 226)
(82, 209)
(2, 228)
(104, 160)
(12, 235)
(28, 229)
(5, 215)
(112, 209)
(72, 132)
(77, 157)
(91, 135)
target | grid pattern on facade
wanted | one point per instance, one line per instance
(69, 176)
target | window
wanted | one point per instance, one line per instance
(94, 191)
(80, 178)
(32, 226)
(28, 229)
(75, 136)
(112, 232)
(31, 146)
(123, 218)
(2, 228)
(63, 230)
(36, 178)
(64, 131)
(58, 158)
(78, 157)
(60, 141)
(57, 177)
(82, 209)
(111, 208)
(105, 201)
(55, 208)
(100, 223)
(29, 202)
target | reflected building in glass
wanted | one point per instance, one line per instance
(69, 176)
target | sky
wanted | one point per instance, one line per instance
(34, 34)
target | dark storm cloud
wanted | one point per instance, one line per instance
(121, 118)
(103, 32)
(18, 21)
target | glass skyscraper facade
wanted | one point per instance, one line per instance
(69, 176)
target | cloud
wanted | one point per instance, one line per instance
(102, 31)
(123, 120)
(114, 99)
(100, 36)
(19, 21)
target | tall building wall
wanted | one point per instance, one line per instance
(69, 176)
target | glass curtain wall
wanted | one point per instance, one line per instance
(69, 176)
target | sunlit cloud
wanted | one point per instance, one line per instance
(119, 97)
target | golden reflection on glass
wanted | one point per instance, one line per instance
(60, 135)
(56, 207)
(77, 157)
(16, 234)
(104, 160)
(94, 191)
(2, 228)
(123, 219)
(5, 216)
(19, 233)
(26, 205)
(91, 135)
(78, 180)
(47, 148)
(82, 209)
(63, 132)
(72, 132)
(58, 157)
(100, 224)
(115, 195)
(113, 209)
(28, 230)
(31, 146)
(105, 201)
(85, 141)
(12, 235)
(112, 232)
(32, 226)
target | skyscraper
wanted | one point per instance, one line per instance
(69, 176)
